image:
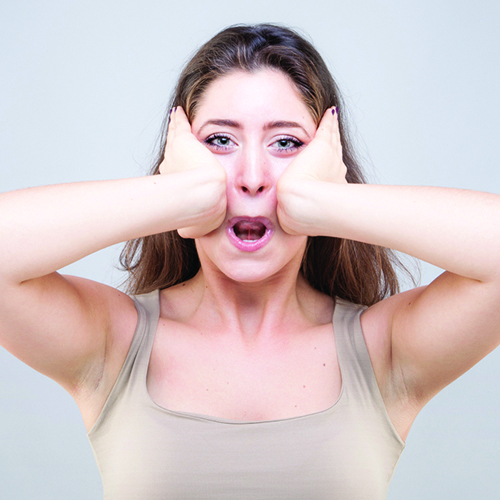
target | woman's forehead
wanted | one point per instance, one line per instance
(265, 91)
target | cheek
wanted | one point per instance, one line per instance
(282, 164)
(227, 162)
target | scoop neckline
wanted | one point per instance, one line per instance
(213, 418)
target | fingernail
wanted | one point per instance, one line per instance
(334, 109)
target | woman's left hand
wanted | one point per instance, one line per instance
(321, 161)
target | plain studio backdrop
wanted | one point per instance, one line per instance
(83, 90)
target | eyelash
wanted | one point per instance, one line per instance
(210, 141)
(296, 144)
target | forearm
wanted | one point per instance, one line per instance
(46, 228)
(456, 230)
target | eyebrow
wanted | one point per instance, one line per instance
(267, 126)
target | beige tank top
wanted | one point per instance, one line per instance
(346, 452)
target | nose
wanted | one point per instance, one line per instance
(253, 174)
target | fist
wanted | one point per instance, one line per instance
(184, 153)
(320, 161)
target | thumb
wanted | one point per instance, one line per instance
(180, 120)
(327, 124)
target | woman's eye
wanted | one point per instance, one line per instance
(288, 144)
(220, 142)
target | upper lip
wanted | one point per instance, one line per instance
(263, 220)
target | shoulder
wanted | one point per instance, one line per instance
(376, 323)
(118, 309)
(377, 319)
(122, 314)
(377, 326)
(124, 318)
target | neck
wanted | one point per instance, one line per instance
(253, 312)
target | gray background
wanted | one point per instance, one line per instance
(84, 85)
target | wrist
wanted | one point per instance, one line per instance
(199, 196)
(298, 207)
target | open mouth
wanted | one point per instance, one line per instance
(248, 230)
(250, 233)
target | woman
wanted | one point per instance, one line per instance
(230, 381)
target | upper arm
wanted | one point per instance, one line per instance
(436, 333)
(66, 327)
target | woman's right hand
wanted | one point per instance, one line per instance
(61, 325)
(183, 153)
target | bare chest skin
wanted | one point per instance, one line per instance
(293, 373)
(282, 374)
(199, 372)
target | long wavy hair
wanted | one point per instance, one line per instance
(347, 269)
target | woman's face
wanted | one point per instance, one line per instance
(256, 124)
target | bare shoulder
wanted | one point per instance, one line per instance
(376, 323)
(93, 391)
(63, 326)
(117, 307)
(73, 330)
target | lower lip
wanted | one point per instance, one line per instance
(249, 246)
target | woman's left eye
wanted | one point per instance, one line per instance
(288, 144)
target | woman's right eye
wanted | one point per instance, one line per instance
(219, 142)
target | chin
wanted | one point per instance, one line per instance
(256, 272)
(243, 267)
(247, 273)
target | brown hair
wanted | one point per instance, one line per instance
(351, 270)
